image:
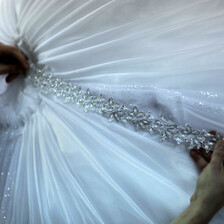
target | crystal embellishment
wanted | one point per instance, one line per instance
(114, 112)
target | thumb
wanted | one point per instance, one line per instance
(218, 153)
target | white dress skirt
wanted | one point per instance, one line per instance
(61, 162)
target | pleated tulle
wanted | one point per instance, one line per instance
(60, 165)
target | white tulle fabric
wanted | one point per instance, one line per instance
(60, 165)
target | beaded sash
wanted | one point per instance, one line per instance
(114, 112)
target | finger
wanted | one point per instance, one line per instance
(200, 161)
(206, 155)
(14, 52)
(212, 132)
(11, 77)
(11, 68)
(21, 58)
(218, 153)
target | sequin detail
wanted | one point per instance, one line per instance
(8, 134)
(114, 112)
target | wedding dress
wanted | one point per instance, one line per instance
(66, 154)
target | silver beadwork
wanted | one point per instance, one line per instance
(141, 121)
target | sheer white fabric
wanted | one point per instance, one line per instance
(60, 165)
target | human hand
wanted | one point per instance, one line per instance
(201, 157)
(209, 192)
(208, 197)
(12, 62)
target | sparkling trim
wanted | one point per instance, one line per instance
(108, 108)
